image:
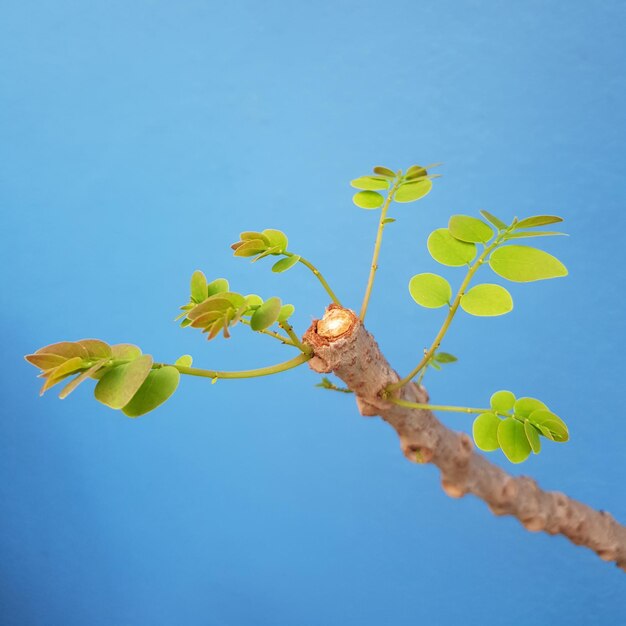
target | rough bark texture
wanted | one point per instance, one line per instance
(342, 346)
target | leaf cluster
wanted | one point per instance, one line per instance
(516, 425)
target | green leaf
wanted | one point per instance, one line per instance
(413, 190)
(469, 229)
(550, 425)
(252, 234)
(447, 250)
(98, 365)
(524, 234)
(513, 441)
(368, 199)
(384, 171)
(538, 220)
(389, 220)
(267, 314)
(444, 357)
(250, 248)
(219, 285)
(286, 311)
(155, 390)
(523, 407)
(430, 290)
(485, 432)
(498, 223)
(502, 401)
(125, 352)
(277, 238)
(284, 264)
(96, 349)
(487, 300)
(117, 387)
(253, 301)
(415, 171)
(198, 286)
(184, 361)
(212, 304)
(533, 437)
(523, 264)
(64, 370)
(370, 183)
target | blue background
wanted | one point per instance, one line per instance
(136, 140)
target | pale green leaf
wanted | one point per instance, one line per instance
(430, 290)
(286, 311)
(469, 229)
(538, 220)
(219, 285)
(250, 248)
(278, 239)
(96, 349)
(487, 300)
(533, 437)
(253, 301)
(485, 432)
(523, 407)
(368, 199)
(98, 365)
(413, 190)
(513, 441)
(266, 315)
(447, 250)
(415, 171)
(545, 420)
(502, 401)
(498, 223)
(370, 183)
(284, 264)
(252, 234)
(525, 234)
(524, 264)
(185, 360)
(389, 220)
(155, 390)
(198, 286)
(444, 357)
(57, 374)
(117, 387)
(67, 349)
(125, 352)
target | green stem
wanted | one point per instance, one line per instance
(446, 324)
(271, 333)
(379, 239)
(262, 371)
(288, 328)
(437, 407)
(317, 274)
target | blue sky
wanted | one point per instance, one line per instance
(137, 140)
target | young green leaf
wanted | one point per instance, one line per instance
(155, 390)
(370, 183)
(198, 286)
(286, 311)
(533, 437)
(384, 171)
(184, 361)
(266, 315)
(525, 234)
(487, 300)
(498, 223)
(523, 264)
(253, 301)
(389, 220)
(513, 441)
(538, 220)
(250, 248)
(368, 199)
(45, 361)
(469, 229)
(61, 372)
(81, 378)
(413, 190)
(96, 349)
(284, 264)
(415, 171)
(550, 425)
(523, 407)
(430, 290)
(117, 387)
(447, 250)
(125, 352)
(66, 349)
(253, 234)
(502, 401)
(277, 238)
(219, 285)
(485, 432)
(444, 357)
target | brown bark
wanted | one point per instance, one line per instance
(344, 347)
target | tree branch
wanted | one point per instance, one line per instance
(342, 345)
